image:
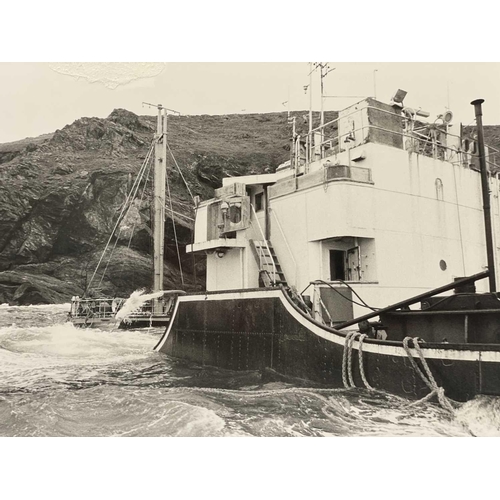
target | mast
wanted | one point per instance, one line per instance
(159, 197)
(159, 191)
(310, 141)
(310, 100)
(486, 194)
(324, 70)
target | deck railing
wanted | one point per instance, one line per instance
(95, 308)
(105, 308)
(330, 173)
(429, 139)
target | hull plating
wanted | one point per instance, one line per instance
(262, 329)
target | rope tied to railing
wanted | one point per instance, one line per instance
(427, 377)
(347, 375)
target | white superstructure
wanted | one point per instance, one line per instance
(377, 198)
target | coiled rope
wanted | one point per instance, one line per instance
(427, 377)
(425, 374)
(347, 377)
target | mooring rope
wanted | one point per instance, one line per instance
(349, 360)
(347, 375)
(427, 377)
(361, 367)
(346, 383)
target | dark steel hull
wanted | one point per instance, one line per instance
(262, 329)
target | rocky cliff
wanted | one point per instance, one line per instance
(61, 193)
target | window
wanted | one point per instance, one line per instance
(259, 202)
(439, 189)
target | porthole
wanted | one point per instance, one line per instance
(442, 265)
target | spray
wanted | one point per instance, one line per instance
(135, 302)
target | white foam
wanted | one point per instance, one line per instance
(57, 307)
(481, 416)
(134, 303)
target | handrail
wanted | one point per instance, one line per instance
(451, 149)
(287, 246)
(275, 272)
(355, 111)
(310, 147)
(416, 298)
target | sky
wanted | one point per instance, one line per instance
(37, 98)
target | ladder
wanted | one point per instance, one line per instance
(269, 266)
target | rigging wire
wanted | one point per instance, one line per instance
(364, 304)
(175, 231)
(195, 208)
(180, 172)
(124, 217)
(109, 258)
(357, 295)
(121, 215)
(140, 202)
(184, 216)
(133, 227)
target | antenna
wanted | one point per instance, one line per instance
(161, 127)
(310, 100)
(324, 69)
(287, 103)
(160, 106)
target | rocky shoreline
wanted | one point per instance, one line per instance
(60, 195)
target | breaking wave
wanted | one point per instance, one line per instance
(58, 380)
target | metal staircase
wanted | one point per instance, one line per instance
(270, 270)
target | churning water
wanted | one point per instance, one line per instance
(57, 380)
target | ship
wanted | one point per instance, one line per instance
(139, 310)
(378, 210)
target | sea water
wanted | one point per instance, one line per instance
(58, 380)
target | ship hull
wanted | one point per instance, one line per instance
(262, 329)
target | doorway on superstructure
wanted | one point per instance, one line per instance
(337, 265)
(348, 258)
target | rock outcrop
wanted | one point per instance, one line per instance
(61, 193)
